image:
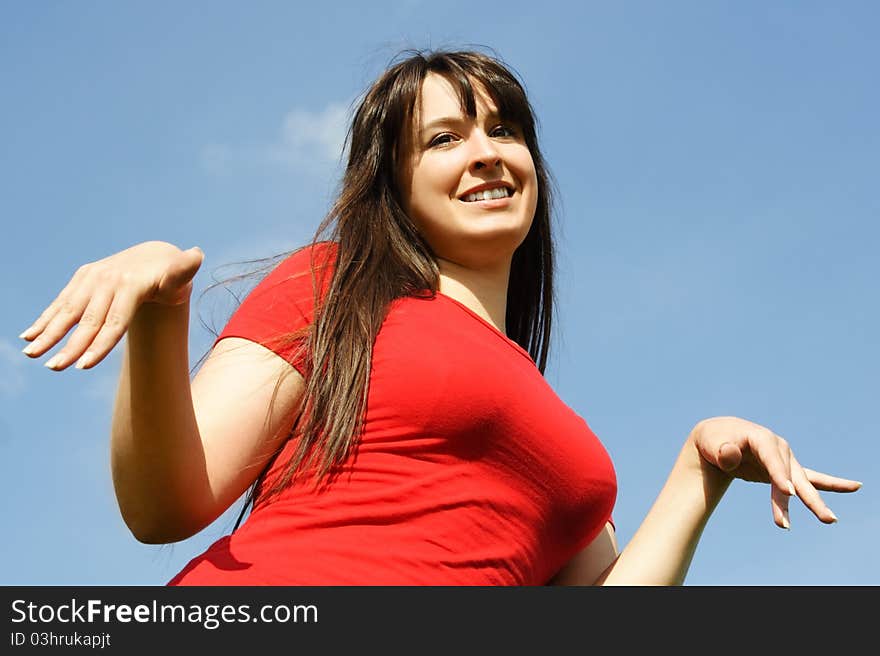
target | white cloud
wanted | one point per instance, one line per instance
(307, 136)
(11, 369)
(308, 141)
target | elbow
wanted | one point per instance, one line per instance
(165, 530)
(154, 518)
(155, 537)
(151, 538)
(161, 535)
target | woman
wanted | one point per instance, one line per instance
(381, 392)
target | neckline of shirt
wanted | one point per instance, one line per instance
(488, 325)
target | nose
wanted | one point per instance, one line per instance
(485, 152)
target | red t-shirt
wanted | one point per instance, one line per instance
(470, 470)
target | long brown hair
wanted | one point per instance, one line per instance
(380, 254)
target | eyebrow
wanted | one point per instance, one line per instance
(455, 120)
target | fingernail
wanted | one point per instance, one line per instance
(833, 516)
(791, 490)
(29, 349)
(785, 522)
(54, 361)
(25, 334)
(85, 360)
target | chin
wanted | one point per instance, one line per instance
(484, 248)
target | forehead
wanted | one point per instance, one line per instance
(439, 97)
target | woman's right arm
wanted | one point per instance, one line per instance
(181, 451)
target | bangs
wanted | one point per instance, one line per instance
(461, 70)
(507, 94)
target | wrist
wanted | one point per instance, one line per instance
(692, 465)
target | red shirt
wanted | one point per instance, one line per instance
(470, 470)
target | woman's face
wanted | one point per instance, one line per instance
(450, 156)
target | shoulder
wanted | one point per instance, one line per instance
(283, 304)
(313, 258)
(297, 277)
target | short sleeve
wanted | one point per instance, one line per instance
(283, 304)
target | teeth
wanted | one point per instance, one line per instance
(487, 194)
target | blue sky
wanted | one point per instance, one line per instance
(717, 164)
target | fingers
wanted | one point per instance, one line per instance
(102, 308)
(729, 456)
(35, 330)
(808, 494)
(767, 446)
(175, 285)
(90, 323)
(754, 453)
(780, 497)
(118, 317)
(828, 483)
(58, 318)
(779, 507)
(198, 255)
(808, 483)
(103, 296)
(774, 456)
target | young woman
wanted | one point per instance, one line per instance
(381, 391)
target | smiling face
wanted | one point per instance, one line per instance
(469, 184)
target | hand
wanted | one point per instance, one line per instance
(103, 297)
(743, 449)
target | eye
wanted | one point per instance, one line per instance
(441, 139)
(504, 131)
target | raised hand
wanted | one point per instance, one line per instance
(742, 449)
(102, 298)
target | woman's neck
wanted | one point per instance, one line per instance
(482, 290)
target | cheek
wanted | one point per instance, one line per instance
(422, 208)
(530, 178)
(431, 188)
(440, 176)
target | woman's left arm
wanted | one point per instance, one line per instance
(717, 451)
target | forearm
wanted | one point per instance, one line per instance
(157, 458)
(662, 548)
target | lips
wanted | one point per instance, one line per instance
(495, 184)
(499, 193)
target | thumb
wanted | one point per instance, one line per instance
(197, 252)
(182, 269)
(729, 456)
(194, 258)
